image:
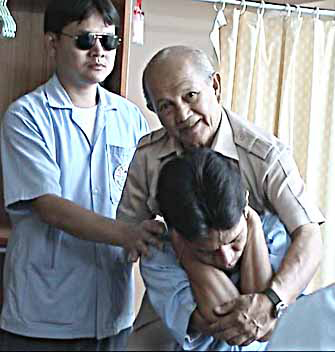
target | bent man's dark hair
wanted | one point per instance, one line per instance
(60, 13)
(200, 190)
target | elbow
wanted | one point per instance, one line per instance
(42, 206)
(309, 238)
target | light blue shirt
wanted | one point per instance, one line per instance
(308, 324)
(170, 292)
(57, 285)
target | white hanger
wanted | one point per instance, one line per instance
(9, 25)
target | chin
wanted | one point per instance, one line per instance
(97, 77)
(194, 143)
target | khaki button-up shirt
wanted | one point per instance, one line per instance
(267, 167)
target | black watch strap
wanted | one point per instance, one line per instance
(272, 295)
(279, 305)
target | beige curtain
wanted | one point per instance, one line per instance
(279, 72)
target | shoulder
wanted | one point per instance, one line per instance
(27, 105)
(117, 101)
(129, 118)
(30, 98)
(153, 139)
(253, 139)
(160, 257)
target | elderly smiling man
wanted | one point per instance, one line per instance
(183, 89)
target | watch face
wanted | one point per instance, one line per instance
(280, 309)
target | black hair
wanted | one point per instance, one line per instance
(199, 191)
(60, 13)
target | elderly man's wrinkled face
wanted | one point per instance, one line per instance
(186, 102)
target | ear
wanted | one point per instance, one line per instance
(51, 41)
(217, 85)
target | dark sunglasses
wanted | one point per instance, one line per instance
(86, 41)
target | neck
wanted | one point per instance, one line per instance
(83, 95)
(83, 98)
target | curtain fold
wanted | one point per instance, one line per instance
(278, 70)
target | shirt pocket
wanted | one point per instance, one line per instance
(118, 160)
(49, 296)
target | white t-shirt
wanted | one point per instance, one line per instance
(86, 117)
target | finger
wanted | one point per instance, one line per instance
(233, 337)
(240, 341)
(133, 255)
(151, 230)
(142, 248)
(225, 308)
(248, 342)
(147, 239)
(154, 227)
(223, 324)
(226, 335)
(233, 333)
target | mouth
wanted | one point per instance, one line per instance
(190, 123)
(231, 268)
(97, 65)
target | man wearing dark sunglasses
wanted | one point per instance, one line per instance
(66, 148)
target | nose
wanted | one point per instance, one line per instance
(183, 112)
(97, 50)
(227, 255)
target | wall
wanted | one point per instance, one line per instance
(167, 22)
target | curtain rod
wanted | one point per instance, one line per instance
(285, 7)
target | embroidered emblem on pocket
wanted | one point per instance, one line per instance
(120, 175)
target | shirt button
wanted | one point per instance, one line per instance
(96, 191)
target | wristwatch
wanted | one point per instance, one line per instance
(279, 305)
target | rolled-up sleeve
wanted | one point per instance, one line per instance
(286, 191)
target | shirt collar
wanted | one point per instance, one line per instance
(224, 139)
(59, 98)
(56, 94)
(168, 147)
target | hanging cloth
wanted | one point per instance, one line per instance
(138, 23)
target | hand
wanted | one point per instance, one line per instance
(138, 237)
(243, 320)
(179, 244)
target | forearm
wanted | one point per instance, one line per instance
(210, 286)
(77, 221)
(300, 263)
(256, 271)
